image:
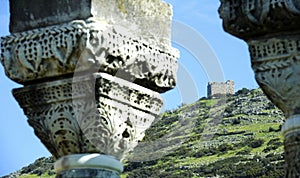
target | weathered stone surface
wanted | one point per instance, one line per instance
(275, 62)
(80, 62)
(214, 88)
(87, 45)
(251, 19)
(291, 132)
(292, 154)
(150, 20)
(69, 117)
(271, 29)
(129, 39)
(31, 14)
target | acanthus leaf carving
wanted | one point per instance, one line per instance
(68, 118)
(253, 18)
(275, 62)
(57, 50)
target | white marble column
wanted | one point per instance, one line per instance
(92, 73)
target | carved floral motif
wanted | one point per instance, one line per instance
(86, 45)
(69, 117)
(90, 84)
(276, 64)
(248, 19)
(271, 29)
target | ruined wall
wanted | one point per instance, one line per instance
(214, 88)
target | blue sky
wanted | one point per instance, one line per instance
(206, 53)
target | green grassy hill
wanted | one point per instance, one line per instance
(223, 136)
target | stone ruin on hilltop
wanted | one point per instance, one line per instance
(214, 88)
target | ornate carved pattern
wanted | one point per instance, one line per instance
(82, 45)
(252, 18)
(271, 29)
(292, 154)
(274, 48)
(275, 62)
(70, 117)
(32, 54)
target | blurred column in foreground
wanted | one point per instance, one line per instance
(92, 72)
(271, 29)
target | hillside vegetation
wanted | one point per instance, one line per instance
(222, 136)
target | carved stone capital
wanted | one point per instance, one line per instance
(276, 63)
(85, 45)
(249, 19)
(91, 70)
(271, 29)
(89, 114)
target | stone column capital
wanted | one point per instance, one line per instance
(251, 19)
(271, 29)
(92, 72)
(88, 45)
(96, 113)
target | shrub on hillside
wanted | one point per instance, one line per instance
(256, 143)
(243, 91)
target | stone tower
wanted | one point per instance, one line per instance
(214, 88)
